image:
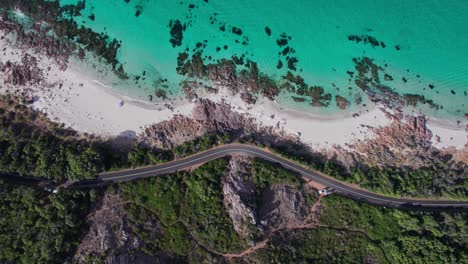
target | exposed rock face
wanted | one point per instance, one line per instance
(282, 205)
(110, 237)
(207, 117)
(256, 213)
(238, 190)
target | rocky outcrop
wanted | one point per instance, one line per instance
(207, 117)
(406, 142)
(282, 205)
(109, 236)
(239, 191)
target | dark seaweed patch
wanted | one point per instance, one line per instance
(138, 11)
(177, 30)
(366, 39)
(236, 31)
(279, 65)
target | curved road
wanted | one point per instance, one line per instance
(227, 150)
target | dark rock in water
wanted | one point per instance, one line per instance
(225, 47)
(279, 65)
(138, 12)
(160, 93)
(415, 99)
(397, 47)
(404, 79)
(341, 102)
(237, 60)
(218, 49)
(177, 30)
(191, 6)
(452, 91)
(388, 77)
(191, 68)
(366, 39)
(285, 51)
(292, 63)
(282, 42)
(222, 28)
(298, 99)
(431, 86)
(150, 97)
(92, 17)
(268, 31)
(236, 31)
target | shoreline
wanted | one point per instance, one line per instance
(88, 104)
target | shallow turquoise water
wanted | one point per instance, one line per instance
(432, 36)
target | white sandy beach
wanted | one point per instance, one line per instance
(88, 104)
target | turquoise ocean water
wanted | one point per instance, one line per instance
(431, 35)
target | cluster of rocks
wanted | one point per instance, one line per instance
(20, 74)
(296, 84)
(249, 81)
(286, 52)
(224, 73)
(366, 39)
(341, 102)
(177, 32)
(208, 118)
(406, 142)
(368, 80)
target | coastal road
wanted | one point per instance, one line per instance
(233, 149)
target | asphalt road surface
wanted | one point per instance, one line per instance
(232, 149)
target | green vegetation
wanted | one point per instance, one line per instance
(202, 143)
(411, 237)
(409, 182)
(434, 181)
(189, 208)
(36, 227)
(141, 156)
(265, 173)
(32, 145)
(351, 232)
(184, 215)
